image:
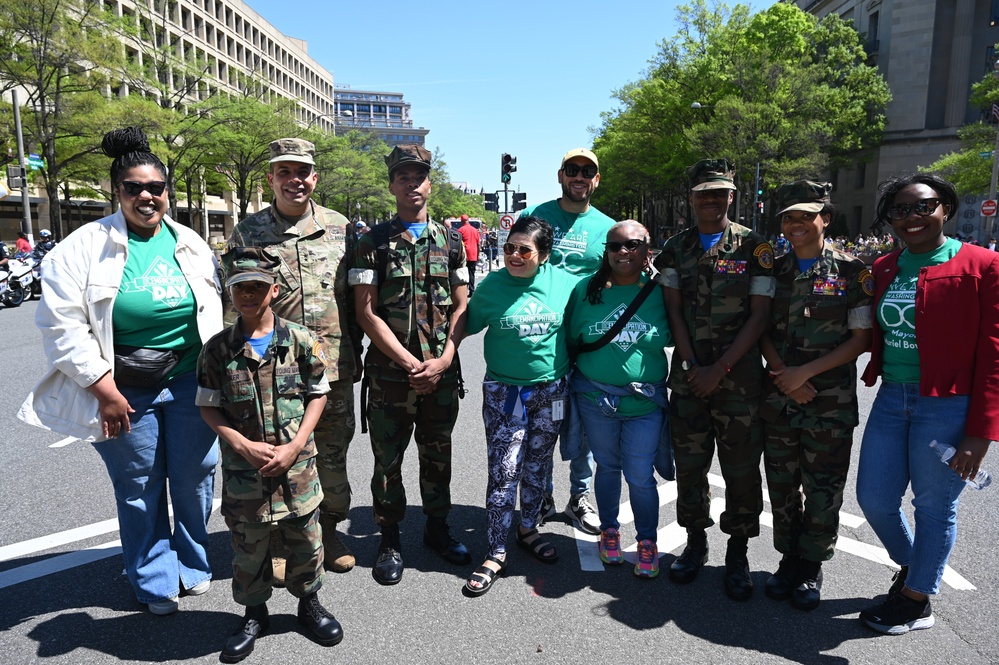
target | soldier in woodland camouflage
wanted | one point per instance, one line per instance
(719, 285)
(409, 280)
(820, 323)
(315, 247)
(263, 397)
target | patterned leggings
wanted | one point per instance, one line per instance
(519, 446)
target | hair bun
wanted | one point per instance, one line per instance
(120, 142)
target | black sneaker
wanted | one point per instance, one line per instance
(547, 510)
(437, 536)
(582, 515)
(898, 615)
(898, 581)
(780, 584)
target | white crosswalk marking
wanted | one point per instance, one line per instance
(672, 536)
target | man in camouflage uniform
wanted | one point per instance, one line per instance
(410, 289)
(315, 246)
(719, 286)
(264, 409)
(820, 323)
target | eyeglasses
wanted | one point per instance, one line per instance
(525, 251)
(630, 245)
(922, 207)
(572, 170)
(154, 187)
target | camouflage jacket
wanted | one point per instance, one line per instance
(264, 400)
(813, 313)
(316, 254)
(415, 298)
(715, 287)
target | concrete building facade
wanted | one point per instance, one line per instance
(930, 53)
(386, 114)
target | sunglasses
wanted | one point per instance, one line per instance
(525, 251)
(572, 170)
(154, 187)
(922, 207)
(631, 245)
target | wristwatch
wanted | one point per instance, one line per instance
(688, 365)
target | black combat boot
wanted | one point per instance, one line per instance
(738, 583)
(684, 570)
(388, 566)
(240, 644)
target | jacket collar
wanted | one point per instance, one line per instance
(118, 229)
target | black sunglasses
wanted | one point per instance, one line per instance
(572, 170)
(154, 187)
(525, 251)
(922, 207)
(631, 245)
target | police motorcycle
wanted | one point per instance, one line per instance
(33, 262)
(44, 246)
(15, 280)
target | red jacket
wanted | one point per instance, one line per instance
(957, 332)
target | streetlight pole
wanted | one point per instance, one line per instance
(25, 200)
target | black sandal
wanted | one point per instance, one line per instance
(534, 542)
(485, 576)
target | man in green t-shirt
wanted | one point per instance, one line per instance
(580, 234)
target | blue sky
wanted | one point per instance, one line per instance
(527, 78)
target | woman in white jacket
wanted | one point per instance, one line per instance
(128, 302)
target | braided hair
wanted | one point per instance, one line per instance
(601, 279)
(129, 148)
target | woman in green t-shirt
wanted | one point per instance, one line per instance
(620, 389)
(522, 309)
(936, 349)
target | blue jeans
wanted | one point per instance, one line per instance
(625, 444)
(169, 443)
(580, 473)
(896, 451)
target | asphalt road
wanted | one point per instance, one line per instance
(63, 598)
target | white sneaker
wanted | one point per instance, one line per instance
(199, 588)
(164, 607)
(581, 514)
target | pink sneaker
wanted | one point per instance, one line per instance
(610, 547)
(648, 559)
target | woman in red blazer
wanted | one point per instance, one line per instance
(936, 349)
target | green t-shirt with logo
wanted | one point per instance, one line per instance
(579, 238)
(897, 313)
(524, 319)
(155, 308)
(637, 353)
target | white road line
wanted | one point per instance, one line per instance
(58, 564)
(64, 442)
(66, 561)
(34, 545)
(672, 537)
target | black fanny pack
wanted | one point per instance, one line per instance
(143, 368)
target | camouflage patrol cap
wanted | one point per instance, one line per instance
(249, 264)
(711, 174)
(406, 154)
(806, 195)
(293, 150)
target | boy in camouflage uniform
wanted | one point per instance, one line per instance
(719, 286)
(315, 246)
(409, 280)
(820, 323)
(262, 388)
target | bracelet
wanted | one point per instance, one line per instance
(726, 366)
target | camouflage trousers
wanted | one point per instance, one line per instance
(698, 425)
(806, 472)
(394, 412)
(251, 564)
(332, 436)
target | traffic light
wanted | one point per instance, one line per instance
(759, 186)
(759, 207)
(15, 176)
(492, 202)
(519, 201)
(508, 164)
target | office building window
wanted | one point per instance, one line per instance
(860, 175)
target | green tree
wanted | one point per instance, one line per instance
(966, 168)
(353, 177)
(779, 88)
(58, 52)
(447, 201)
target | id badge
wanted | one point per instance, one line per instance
(558, 410)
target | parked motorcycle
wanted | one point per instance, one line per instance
(15, 283)
(34, 263)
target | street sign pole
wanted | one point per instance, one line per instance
(25, 202)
